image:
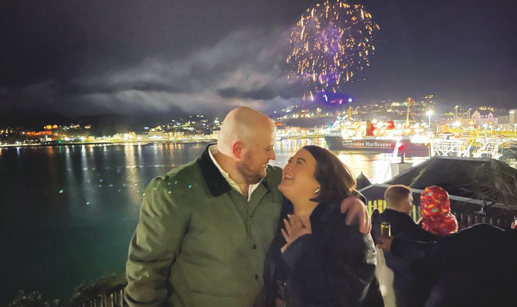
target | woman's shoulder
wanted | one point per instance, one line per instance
(335, 220)
(342, 238)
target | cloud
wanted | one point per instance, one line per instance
(245, 68)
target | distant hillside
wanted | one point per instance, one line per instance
(110, 124)
(21, 118)
(105, 124)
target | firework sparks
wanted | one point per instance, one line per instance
(329, 45)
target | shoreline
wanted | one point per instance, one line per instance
(106, 143)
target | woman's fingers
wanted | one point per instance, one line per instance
(296, 221)
(287, 226)
(286, 236)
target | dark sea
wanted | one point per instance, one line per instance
(68, 212)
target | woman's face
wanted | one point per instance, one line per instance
(298, 180)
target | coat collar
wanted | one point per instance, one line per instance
(399, 216)
(321, 214)
(213, 177)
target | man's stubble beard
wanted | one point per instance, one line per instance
(250, 175)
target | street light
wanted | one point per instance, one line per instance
(429, 113)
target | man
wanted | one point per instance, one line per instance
(206, 226)
(399, 204)
(409, 282)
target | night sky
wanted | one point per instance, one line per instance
(82, 58)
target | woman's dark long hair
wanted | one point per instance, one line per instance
(335, 178)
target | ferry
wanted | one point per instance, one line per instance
(376, 145)
(375, 137)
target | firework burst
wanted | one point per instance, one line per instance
(329, 45)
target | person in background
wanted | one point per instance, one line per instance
(399, 204)
(316, 259)
(411, 280)
(477, 265)
(435, 207)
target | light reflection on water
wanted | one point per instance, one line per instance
(69, 211)
(375, 167)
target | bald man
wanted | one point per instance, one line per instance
(205, 227)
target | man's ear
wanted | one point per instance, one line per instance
(410, 206)
(238, 150)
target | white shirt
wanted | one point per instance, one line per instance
(252, 187)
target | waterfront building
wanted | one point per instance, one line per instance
(481, 117)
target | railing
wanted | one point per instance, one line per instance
(113, 298)
(381, 206)
(468, 219)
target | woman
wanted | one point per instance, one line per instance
(436, 212)
(315, 258)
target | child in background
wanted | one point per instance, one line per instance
(436, 212)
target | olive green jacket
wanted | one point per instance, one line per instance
(201, 243)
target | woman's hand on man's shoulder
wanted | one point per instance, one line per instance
(356, 212)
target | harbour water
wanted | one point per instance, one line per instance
(68, 212)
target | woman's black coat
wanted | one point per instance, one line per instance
(333, 266)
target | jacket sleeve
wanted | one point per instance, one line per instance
(428, 252)
(359, 195)
(337, 277)
(154, 247)
(376, 219)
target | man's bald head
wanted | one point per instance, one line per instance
(243, 125)
(246, 140)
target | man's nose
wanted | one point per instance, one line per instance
(272, 155)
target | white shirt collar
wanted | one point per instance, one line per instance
(252, 187)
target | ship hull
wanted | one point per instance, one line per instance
(374, 146)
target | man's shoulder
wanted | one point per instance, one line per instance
(179, 178)
(394, 215)
(274, 172)
(401, 223)
(190, 169)
(273, 178)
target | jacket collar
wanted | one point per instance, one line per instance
(394, 214)
(321, 214)
(213, 177)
